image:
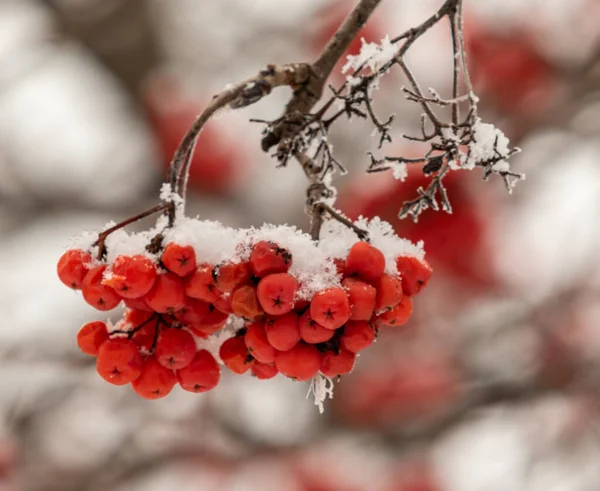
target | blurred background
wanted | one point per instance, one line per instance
(494, 384)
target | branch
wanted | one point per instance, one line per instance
(305, 99)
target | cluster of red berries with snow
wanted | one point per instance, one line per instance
(265, 301)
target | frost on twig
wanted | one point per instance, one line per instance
(321, 388)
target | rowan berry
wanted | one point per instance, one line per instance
(414, 272)
(155, 381)
(175, 348)
(72, 267)
(396, 316)
(264, 371)
(301, 363)
(201, 284)
(201, 375)
(389, 292)
(340, 265)
(276, 293)
(145, 334)
(179, 259)
(194, 312)
(268, 258)
(232, 275)
(100, 296)
(137, 304)
(214, 319)
(311, 332)
(235, 355)
(362, 298)
(167, 294)
(244, 302)
(131, 276)
(365, 261)
(223, 303)
(119, 361)
(283, 333)
(357, 336)
(334, 364)
(258, 344)
(91, 336)
(330, 308)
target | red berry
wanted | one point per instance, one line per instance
(131, 276)
(194, 312)
(232, 275)
(179, 259)
(215, 318)
(415, 274)
(389, 292)
(340, 265)
(137, 304)
(155, 381)
(268, 258)
(235, 355)
(119, 361)
(91, 336)
(201, 284)
(365, 261)
(396, 316)
(311, 332)
(167, 295)
(330, 308)
(276, 293)
(72, 267)
(201, 375)
(264, 371)
(100, 296)
(357, 336)
(362, 298)
(283, 333)
(301, 363)
(145, 333)
(333, 364)
(244, 303)
(257, 343)
(223, 303)
(175, 348)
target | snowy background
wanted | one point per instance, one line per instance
(493, 385)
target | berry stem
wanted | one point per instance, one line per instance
(130, 333)
(320, 208)
(166, 206)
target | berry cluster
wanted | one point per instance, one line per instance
(290, 321)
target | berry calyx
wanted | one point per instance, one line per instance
(235, 355)
(397, 316)
(175, 348)
(276, 293)
(301, 363)
(91, 336)
(365, 261)
(362, 298)
(330, 308)
(283, 333)
(100, 296)
(179, 259)
(131, 276)
(155, 381)
(119, 361)
(415, 274)
(201, 375)
(258, 344)
(268, 258)
(201, 284)
(312, 332)
(72, 267)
